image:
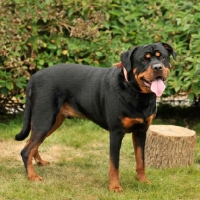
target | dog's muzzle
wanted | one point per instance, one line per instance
(157, 67)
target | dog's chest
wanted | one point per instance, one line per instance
(132, 124)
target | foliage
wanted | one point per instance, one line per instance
(39, 33)
(175, 23)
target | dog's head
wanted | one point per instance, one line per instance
(148, 66)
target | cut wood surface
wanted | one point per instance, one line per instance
(169, 146)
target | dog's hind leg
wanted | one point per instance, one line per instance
(39, 131)
(27, 154)
(59, 120)
(38, 158)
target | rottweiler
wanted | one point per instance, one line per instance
(120, 99)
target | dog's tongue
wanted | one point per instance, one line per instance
(158, 87)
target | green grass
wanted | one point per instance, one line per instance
(79, 156)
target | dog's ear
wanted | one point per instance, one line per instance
(170, 50)
(126, 59)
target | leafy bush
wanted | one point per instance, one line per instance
(39, 33)
(175, 23)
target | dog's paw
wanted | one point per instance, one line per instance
(43, 163)
(35, 178)
(115, 188)
(143, 179)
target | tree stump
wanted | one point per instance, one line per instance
(169, 146)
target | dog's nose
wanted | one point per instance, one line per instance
(157, 67)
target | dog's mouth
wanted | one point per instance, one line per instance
(156, 85)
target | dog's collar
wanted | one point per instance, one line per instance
(120, 65)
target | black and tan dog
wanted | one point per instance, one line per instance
(120, 100)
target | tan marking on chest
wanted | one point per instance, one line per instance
(129, 122)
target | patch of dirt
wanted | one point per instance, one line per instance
(12, 149)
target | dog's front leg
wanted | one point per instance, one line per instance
(139, 139)
(115, 145)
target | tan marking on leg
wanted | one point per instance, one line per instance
(114, 178)
(59, 120)
(39, 160)
(140, 168)
(30, 169)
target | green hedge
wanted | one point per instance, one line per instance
(39, 33)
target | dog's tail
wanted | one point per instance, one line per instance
(27, 117)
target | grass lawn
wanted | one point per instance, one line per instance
(79, 156)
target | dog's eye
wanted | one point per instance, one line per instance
(145, 60)
(159, 55)
(162, 57)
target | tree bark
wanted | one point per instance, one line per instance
(169, 146)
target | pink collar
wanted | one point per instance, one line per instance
(120, 65)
